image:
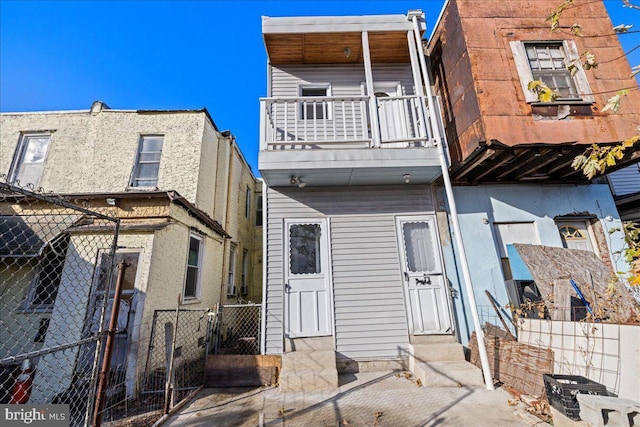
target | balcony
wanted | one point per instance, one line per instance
(333, 140)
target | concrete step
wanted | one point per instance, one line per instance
(309, 380)
(309, 344)
(309, 371)
(315, 360)
(441, 352)
(432, 339)
(448, 374)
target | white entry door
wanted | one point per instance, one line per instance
(307, 279)
(424, 282)
(390, 112)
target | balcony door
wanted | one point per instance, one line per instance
(390, 113)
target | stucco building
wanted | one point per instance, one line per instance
(186, 199)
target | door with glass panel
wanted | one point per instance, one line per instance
(307, 279)
(426, 294)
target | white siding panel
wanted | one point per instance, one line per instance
(344, 81)
(369, 309)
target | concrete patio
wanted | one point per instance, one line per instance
(363, 399)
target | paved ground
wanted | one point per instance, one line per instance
(365, 399)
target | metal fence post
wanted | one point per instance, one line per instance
(169, 387)
(106, 362)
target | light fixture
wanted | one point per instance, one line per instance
(296, 180)
(347, 52)
(407, 178)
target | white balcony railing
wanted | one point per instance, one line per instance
(343, 122)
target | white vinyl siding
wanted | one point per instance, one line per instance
(342, 81)
(369, 311)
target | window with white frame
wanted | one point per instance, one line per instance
(247, 204)
(28, 161)
(44, 287)
(231, 273)
(315, 108)
(194, 267)
(147, 165)
(244, 289)
(557, 64)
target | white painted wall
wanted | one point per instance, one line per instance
(606, 353)
(480, 207)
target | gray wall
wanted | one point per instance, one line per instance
(370, 317)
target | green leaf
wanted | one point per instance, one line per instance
(590, 61)
(622, 28)
(576, 29)
(578, 161)
(613, 103)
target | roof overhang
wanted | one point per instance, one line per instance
(338, 39)
(496, 162)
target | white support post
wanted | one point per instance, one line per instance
(484, 358)
(417, 82)
(373, 108)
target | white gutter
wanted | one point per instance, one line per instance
(263, 314)
(484, 359)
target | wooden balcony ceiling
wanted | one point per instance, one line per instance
(548, 163)
(329, 48)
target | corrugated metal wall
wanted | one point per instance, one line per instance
(370, 318)
(626, 180)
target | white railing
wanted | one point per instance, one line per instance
(343, 122)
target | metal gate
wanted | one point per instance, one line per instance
(237, 329)
(51, 318)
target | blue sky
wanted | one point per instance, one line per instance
(59, 55)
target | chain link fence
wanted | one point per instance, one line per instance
(51, 312)
(237, 329)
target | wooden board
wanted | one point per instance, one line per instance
(518, 365)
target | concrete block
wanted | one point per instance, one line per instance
(309, 380)
(601, 411)
(314, 360)
(444, 352)
(448, 374)
(561, 420)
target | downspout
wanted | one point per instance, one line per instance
(484, 359)
(263, 317)
(229, 166)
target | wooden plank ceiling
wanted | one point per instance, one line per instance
(548, 163)
(329, 48)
